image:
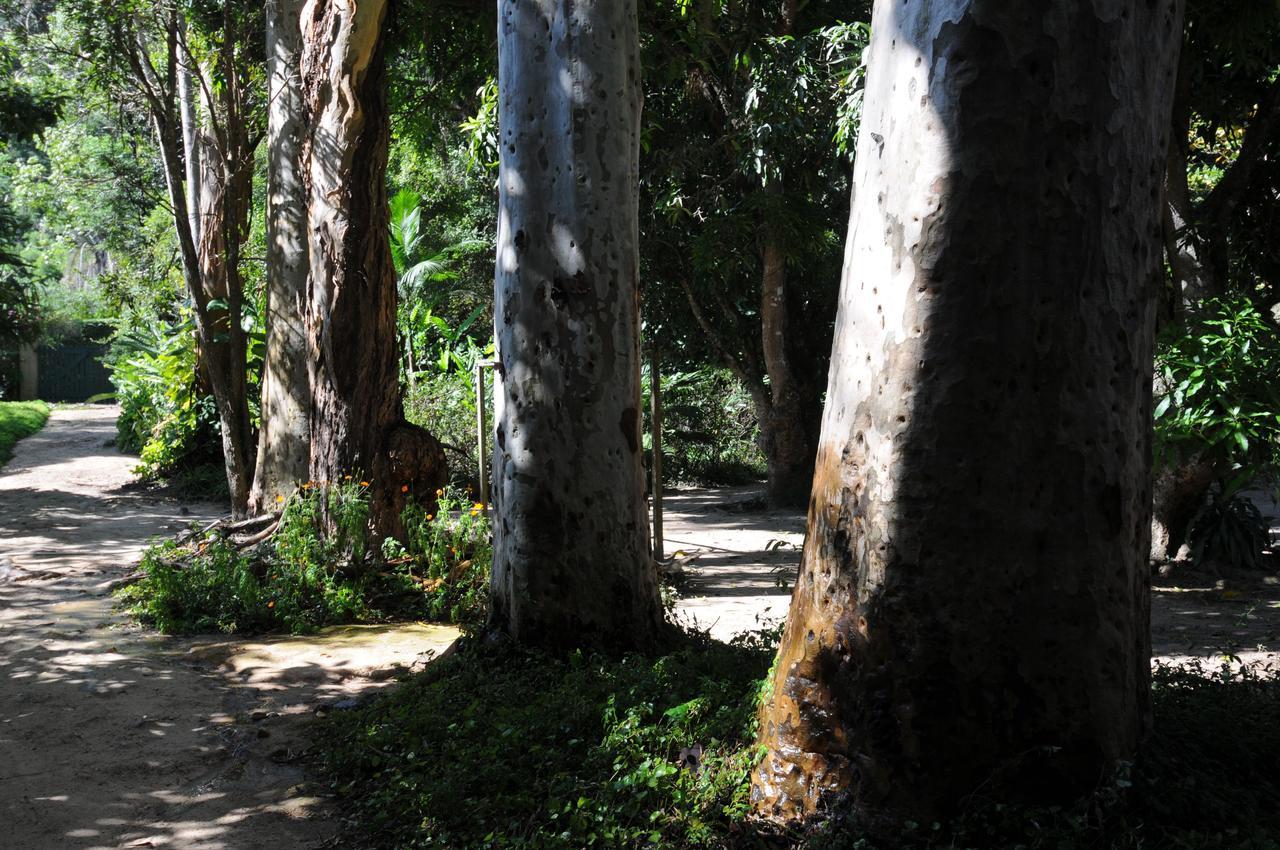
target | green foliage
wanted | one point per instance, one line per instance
(304, 577)
(450, 553)
(1218, 392)
(501, 748)
(504, 748)
(19, 419)
(1230, 531)
(710, 433)
(163, 416)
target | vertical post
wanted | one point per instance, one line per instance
(482, 428)
(655, 404)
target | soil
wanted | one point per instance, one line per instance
(112, 736)
(739, 561)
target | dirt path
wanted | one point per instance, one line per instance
(736, 550)
(114, 737)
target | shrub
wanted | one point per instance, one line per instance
(302, 578)
(1218, 392)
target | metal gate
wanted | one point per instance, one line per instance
(72, 371)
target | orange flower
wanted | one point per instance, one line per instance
(439, 492)
(430, 517)
(364, 483)
(271, 604)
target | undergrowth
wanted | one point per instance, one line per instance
(302, 578)
(502, 748)
(19, 419)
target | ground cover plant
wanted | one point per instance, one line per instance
(504, 748)
(302, 578)
(19, 419)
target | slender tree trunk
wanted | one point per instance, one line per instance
(357, 420)
(190, 148)
(971, 615)
(210, 264)
(571, 559)
(284, 442)
(226, 187)
(788, 450)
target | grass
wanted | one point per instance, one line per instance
(501, 748)
(19, 419)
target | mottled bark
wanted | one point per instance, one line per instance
(571, 561)
(971, 614)
(284, 442)
(357, 419)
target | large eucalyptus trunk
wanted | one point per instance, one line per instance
(971, 615)
(284, 442)
(571, 562)
(357, 419)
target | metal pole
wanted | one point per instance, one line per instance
(655, 404)
(482, 428)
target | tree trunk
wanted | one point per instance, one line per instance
(971, 615)
(284, 442)
(571, 560)
(1179, 490)
(190, 149)
(226, 189)
(788, 450)
(357, 420)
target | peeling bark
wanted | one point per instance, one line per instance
(571, 560)
(971, 614)
(357, 419)
(284, 442)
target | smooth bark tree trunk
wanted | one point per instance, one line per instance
(284, 441)
(971, 615)
(571, 560)
(190, 149)
(357, 420)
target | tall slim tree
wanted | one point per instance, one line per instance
(357, 418)
(284, 442)
(146, 51)
(971, 614)
(571, 564)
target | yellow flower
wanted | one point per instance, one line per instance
(279, 499)
(439, 492)
(475, 512)
(478, 506)
(430, 517)
(346, 478)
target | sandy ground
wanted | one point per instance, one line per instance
(111, 736)
(736, 551)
